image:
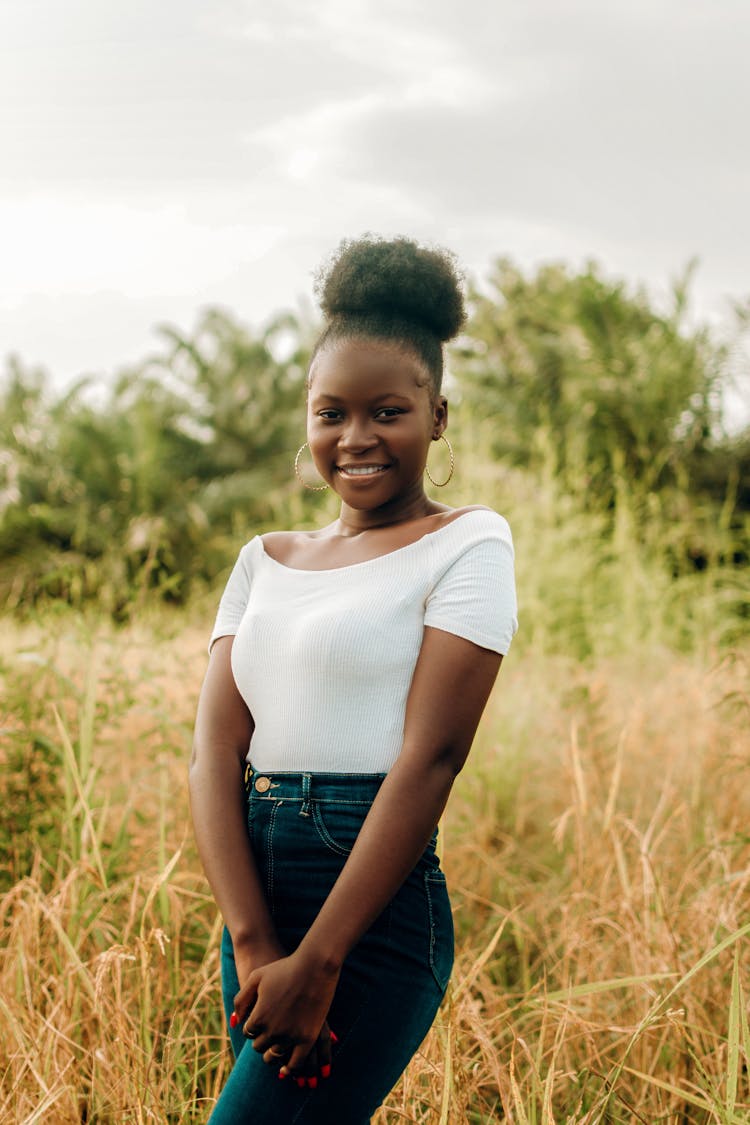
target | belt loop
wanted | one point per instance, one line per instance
(306, 779)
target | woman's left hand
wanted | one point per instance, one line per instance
(285, 1003)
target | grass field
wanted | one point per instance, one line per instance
(596, 846)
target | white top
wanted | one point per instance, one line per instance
(324, 658)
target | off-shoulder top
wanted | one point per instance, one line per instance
(324, 658)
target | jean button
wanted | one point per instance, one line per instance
(263, 784)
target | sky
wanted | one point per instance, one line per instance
(160, 157)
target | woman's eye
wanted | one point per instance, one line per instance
(388, 412)
(329, 415)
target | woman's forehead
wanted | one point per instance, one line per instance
(364, 367)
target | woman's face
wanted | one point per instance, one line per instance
(371, 415)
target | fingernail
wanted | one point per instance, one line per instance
(312, 1083)
(334, 1037)
(282, 1074)
(301, 1083)
(325, 1070)
(234, 1019)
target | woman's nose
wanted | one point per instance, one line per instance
(357, 435)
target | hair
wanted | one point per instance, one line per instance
(392, 290)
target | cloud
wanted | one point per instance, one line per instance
(109, 96)
(180, 154)
(85, 247)
(614, 127)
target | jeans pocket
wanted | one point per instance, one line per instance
(338, 824)
(441, 927)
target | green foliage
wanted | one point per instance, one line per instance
(593, 399)
(586, 384)
(107, 496)
(574, 367)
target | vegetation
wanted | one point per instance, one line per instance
(596, 845)
(109, 492)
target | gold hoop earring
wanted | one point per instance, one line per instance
(442, 484)
(298, 474)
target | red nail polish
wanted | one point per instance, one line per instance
(301, 1083)
(234, 1019)
(312, 1083)
(325, 1070)
(282, 1075)
(334, 1037)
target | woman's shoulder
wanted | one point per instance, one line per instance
(465, 531)
(278, 544)
(289, 546)
(277, 539)
(477, 516)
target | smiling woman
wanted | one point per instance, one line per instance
(349, 669)
(371, 417)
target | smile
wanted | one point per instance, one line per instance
(361, 470)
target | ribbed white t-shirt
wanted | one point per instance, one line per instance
(324, 659)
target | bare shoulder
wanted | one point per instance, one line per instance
(285, 546)
(279, 545)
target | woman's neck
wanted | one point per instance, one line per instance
(353, 521)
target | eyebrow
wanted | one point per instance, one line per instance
(377, 398)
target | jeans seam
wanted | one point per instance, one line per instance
(324, 834)
(437, 877)
(269, 852)
(318, 800)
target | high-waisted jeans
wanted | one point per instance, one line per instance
(302, 828)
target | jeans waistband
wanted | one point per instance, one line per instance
(342, 788)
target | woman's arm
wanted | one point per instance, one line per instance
(223, 727)
(452, 681)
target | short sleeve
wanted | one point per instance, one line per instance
(235, 597)
(475, 597)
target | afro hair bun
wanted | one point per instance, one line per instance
(396, 278)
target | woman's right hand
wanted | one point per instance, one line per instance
(317, 1065)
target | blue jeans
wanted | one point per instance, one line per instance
(302, 828)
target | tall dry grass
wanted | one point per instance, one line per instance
(596, 846)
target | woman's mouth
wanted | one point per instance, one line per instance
(360, 470)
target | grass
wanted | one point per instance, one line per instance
(596, 846)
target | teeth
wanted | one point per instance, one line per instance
(361, 470)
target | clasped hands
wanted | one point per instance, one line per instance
(282, 1007)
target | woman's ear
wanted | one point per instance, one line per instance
(441, 417)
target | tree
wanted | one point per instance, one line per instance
(574, 367)
(150, 481)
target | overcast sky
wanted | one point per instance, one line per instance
(157, 156)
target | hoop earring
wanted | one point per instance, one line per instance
(298, 474)
(442, 484)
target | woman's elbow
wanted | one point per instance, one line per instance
(223, 755)
(440, 766)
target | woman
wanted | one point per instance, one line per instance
(349, 669)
